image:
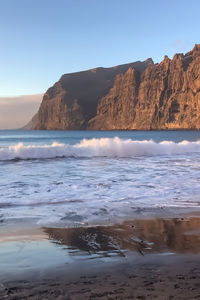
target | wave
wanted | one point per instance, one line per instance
(103, 147)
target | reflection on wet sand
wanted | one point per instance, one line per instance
(143, 236)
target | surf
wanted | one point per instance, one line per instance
(98, 147)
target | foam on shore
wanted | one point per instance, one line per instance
(103, 147)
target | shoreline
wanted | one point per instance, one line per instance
(137, 259)
(174, 277)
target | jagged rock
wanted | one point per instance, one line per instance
(164, 96)
(117, 109)
(73, 100)
(141, 95)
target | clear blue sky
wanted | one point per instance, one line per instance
(42, 39)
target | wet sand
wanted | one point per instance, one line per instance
(139, 259)
(171, 280)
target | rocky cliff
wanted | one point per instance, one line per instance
(139, 95)
(73, 100)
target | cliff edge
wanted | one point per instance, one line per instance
(135, 96)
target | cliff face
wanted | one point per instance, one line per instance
(73, 100)
(140, 95)
(164, 96)
(117, 109)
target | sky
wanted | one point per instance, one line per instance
(42, 39)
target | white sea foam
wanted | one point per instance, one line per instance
(103, 147)
(99, 190)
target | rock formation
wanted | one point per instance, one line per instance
(73, 100)
(141, 96)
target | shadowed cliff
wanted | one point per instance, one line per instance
(136, 96)
(73, 100)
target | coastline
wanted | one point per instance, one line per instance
(144, 258)
(169, 278)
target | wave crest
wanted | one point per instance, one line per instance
(105, 147)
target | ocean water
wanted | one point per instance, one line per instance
(75, 178)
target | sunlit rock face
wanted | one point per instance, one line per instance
(141, 96)
(164, 96)
(73, 100)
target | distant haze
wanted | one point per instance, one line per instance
(16, 112)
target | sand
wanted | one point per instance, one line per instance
(138, 259)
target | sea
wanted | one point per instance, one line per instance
(83, 178)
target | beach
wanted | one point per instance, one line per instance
(99, 150)
(99, 215)
(138, 259)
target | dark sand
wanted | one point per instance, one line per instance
(141, 259)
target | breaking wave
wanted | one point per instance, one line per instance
(103, 147)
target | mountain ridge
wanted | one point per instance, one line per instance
(135, 96)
